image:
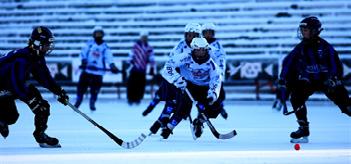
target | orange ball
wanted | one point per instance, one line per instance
(297, 146)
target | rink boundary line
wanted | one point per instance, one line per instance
(328, 153)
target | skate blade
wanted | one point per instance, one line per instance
(299, 140)
(44, 145)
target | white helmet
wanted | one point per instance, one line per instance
(198, 43)
(199, 56)
(193, 27)
(208, 26)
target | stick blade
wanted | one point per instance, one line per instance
(228, 135)
(134, 143)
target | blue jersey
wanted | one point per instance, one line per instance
(311, 61)
(15, 69)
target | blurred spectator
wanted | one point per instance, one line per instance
(140, 55)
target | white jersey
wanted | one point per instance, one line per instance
(206, 74)
(219, 56)
(97, 56)
(181, 47)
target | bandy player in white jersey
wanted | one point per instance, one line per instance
(208, 31)
(166, 91)
(201, 76)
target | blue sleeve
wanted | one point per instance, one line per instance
(288, 64)
(42, 74)
(18, 80)
(336, 68)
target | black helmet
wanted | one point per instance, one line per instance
(40, 36)
(98, 34)
(313, 24)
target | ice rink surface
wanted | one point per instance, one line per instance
(263, 136)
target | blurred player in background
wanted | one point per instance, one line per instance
(219, 56)
(96, 60)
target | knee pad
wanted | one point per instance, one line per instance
(45, 112)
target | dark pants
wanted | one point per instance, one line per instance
(136, 86)
(9, 114)
(301, 91)
(88, 80)
(8, 110)
(166, 91)
(184, 103)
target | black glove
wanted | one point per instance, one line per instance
(38, 105)
(331, 83)
(84, 65)
(63, 97)
(281, 97)
(113, 68)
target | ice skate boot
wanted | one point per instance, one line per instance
(162, 122)
(301, 135)
(167, 131)
(198, 127)
(45, 141)
(4, 129)
(154, 128)
(149, 108)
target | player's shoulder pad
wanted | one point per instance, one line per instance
(181, 44)
(105, 45)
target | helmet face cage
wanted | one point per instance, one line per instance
(208, 33)
(42, 40)
(200, 49)
(313, 24)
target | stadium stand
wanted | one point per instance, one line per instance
(248, 29)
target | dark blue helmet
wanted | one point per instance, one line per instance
(41, 36)
(313, 24)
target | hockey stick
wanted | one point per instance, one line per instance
(209, 124)
(120, 142)
(277, 105)
(99, 69)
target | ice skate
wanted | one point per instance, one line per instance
(198, 127)
(301, 135)
(4, 129)
(166, 131)
(154, 128)
(149, 108)
(45, 141)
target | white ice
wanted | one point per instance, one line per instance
(263, 136)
